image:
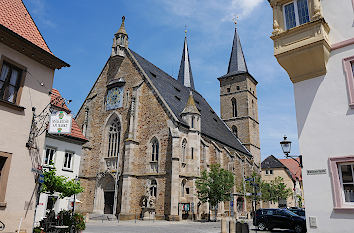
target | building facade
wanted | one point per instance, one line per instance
(152, 135)
(26, 76)
(289, 170)
(63, 152)
(314, 43)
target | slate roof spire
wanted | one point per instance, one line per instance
(185, 76)
(237, 63)
(120, 40)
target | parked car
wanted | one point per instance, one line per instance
(267, 219)
(298, 211)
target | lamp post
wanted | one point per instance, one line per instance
(286, 147)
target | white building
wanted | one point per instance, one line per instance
(64, 153)
(27, 67)
(314, 43)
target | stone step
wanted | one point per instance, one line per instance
(107, 217)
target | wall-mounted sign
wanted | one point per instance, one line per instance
(316, 172)
(60, 123)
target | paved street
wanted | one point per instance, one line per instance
(158, 227)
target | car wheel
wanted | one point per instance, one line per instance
(298, 228)
(262, 226)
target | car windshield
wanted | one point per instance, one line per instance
(290, 213)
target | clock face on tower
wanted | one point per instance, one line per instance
(114, 98)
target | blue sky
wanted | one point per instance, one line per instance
(80, 32)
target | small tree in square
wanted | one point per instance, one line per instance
(215, 186)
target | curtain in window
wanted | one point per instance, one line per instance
(290, 15)
(303, 11)
(4, 72)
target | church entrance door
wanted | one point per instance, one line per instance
(108, 202)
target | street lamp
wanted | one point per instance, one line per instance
(286, 147)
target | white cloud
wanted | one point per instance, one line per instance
(205, 11)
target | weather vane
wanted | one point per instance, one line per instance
(235, 19)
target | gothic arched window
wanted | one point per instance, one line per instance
(113, 138)
(234, 130)
(184, 150)
(234, 107)
(154, 150)
(153, 188)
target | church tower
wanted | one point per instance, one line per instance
(238, 101)
(120, 40)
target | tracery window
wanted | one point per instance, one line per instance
(155, 150)
(114, 138)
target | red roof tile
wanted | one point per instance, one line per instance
(57, 101)
(293, 167)
(15, 16)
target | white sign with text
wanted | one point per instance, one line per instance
(60, 123)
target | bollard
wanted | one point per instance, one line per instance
(232, 226)
(223, 226)
(245, 228)
(238, 227)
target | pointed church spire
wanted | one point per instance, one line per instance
(120, 40)
(185, 72)
(237, 61)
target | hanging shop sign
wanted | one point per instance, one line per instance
(60, 123)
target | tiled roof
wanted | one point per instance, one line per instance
(57, 101)
(14, 16)
(293, 167)
(75, 129)
(176, 96)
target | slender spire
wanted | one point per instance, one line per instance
(120, 41)
(122, 27)
(237, 61)
(185, 72)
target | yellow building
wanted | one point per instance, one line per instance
(289, 170)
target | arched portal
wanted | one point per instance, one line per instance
(104, 195)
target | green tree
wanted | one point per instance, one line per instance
(272, 191)
(61, 184)
(214, 186)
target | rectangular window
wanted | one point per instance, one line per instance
(296, 13)
(342, 174)
(266, 171)
(10, 81)
(348, 64)
(289, 13)
(271, 172)
(5, 159)
(49, 156)
(68, 160)
(187, 191)
(346, 175)
(192, 152)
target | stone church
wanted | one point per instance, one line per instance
(150, 136)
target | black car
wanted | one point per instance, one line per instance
(298, 211)
(267, 219)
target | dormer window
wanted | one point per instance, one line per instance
(296, 13)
